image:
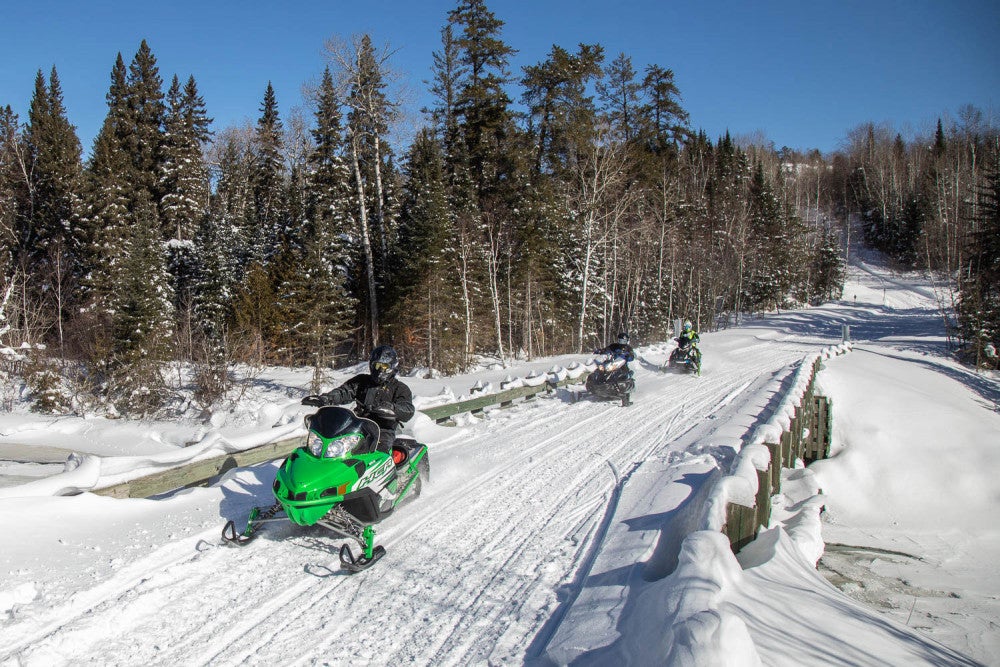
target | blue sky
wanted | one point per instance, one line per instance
(803, 72)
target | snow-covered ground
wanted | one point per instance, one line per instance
(563, 530)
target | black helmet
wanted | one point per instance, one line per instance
(623, 338)
(383, 364)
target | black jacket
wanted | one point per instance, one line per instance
(619, 350)
(375, 401)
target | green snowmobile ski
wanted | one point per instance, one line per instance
(339, 481)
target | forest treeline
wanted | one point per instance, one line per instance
(533, 213)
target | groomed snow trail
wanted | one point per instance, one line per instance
(475, 567)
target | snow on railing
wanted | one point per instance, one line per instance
(799, 428)
(483, 396)
(144, 476)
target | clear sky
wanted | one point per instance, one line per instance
(802, 72)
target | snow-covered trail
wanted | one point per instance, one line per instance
(475, 568)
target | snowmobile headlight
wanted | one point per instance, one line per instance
(343, 445)
(315, 444)
(614, 364)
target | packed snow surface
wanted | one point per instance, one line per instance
(560, 530)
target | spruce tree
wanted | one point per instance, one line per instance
(482, 104)
(232, 203)
(268, 181)
(770, 263)
(142, 317)
(827, 272)
(184, 174)
(328, 190)
(425, 295)
(56, 244)
(144, 133)
(979, 299)
(13, 190)
(109, 192)
(185, 192)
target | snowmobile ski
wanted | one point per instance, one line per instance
(258, 516)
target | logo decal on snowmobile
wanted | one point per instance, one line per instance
(375, 474)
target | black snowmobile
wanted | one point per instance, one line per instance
(686, 357)
(338, 480)
(612, 379)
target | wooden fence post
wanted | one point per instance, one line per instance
(762, 516)
(774, 468)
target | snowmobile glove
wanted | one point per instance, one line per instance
(315, 400)
(337, 396)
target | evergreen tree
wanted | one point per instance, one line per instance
(448, 72)
(185, 192)
(109, 192)
(232, 203)
(184, 174)
(328, 190)
(827, 272)
(314, 309)
(769, 280)
(13, 190)
(142, 318)
(665, 119)
(56, 171)
(54, 238)
(426, 307)
(979, 299)
(267, 177)
(143, 134)
(562, 115)
(619, 93)
(482, 105)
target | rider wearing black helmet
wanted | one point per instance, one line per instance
(619, 349)
(378, 395)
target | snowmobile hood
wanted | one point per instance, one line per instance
(308, 486)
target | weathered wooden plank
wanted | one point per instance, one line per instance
(827, 425)
(740, 525)
(477, 404)
(774, 468)
(198, 472)
(763, 514)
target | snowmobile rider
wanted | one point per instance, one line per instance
(378, 394)
(620, 349)
(688, 336)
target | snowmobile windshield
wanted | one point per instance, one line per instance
(612, 363)
(335, 431)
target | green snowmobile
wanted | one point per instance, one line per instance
(339, 481)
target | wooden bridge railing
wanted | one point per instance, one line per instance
(800, 429)
(199, 472)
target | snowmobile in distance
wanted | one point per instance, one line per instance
(686, 357)
(612, 378)
(338, 480)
